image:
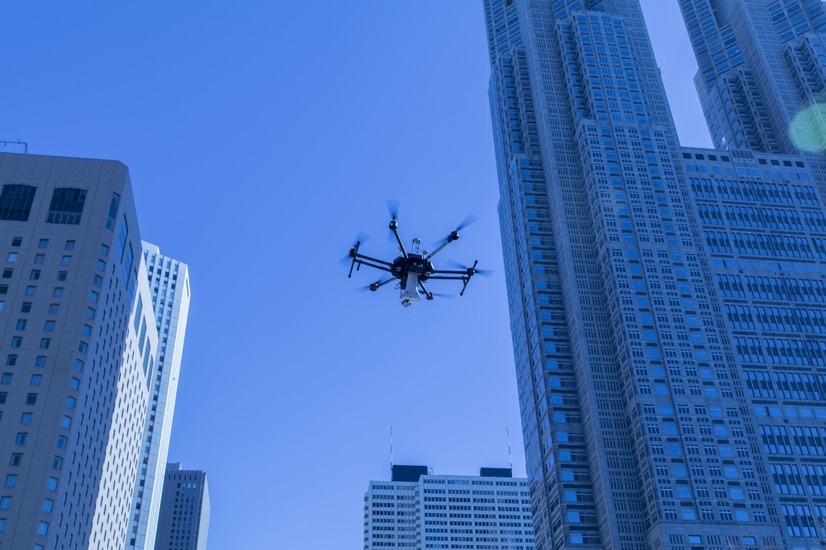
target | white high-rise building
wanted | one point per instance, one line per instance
(169, 284)
(78, 349)
(417, 510)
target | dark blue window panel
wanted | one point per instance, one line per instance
(16, 202)
(66, 206)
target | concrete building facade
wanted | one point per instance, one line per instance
(77, 352)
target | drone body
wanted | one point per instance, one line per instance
(411, 269)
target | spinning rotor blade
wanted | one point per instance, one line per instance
(452, 236)
(476, 271)
(361, 238)
(393, 208)
(469, 219)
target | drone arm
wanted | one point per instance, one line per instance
(364, 259)
(426, 292)
(370, 263)
(394, 227)
(450, 238)
(376, 286)
(461, 276)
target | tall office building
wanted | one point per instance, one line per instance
(666, 303)
(417, 510)
(77, 352)
(184, 517)
(169, 283)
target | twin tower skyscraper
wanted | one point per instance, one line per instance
(92, 322)
(668, 304)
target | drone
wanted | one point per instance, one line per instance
(412, 269)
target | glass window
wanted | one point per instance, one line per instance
(11, 481)
(70, 245)
(113, 211)
(66, 206)
(16, 202)
(12, 257)
(37, 379)
(43, 243)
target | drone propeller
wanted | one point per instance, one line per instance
(453, 235)
(360, 240)
(469, 219)
(374, 286)
(469, 269)
(393, 208)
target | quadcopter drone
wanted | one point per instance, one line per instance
(412, 269)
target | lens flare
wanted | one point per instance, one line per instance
(808, 129)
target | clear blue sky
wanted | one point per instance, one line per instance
(262, 136)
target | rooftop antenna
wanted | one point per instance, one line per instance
(391, 449)
(510, 456)
(5, 143)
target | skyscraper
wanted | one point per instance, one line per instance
(169, 283)
(184, 517)
(418, 510)
(77, 349)
(761, 71)
(665, 302)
